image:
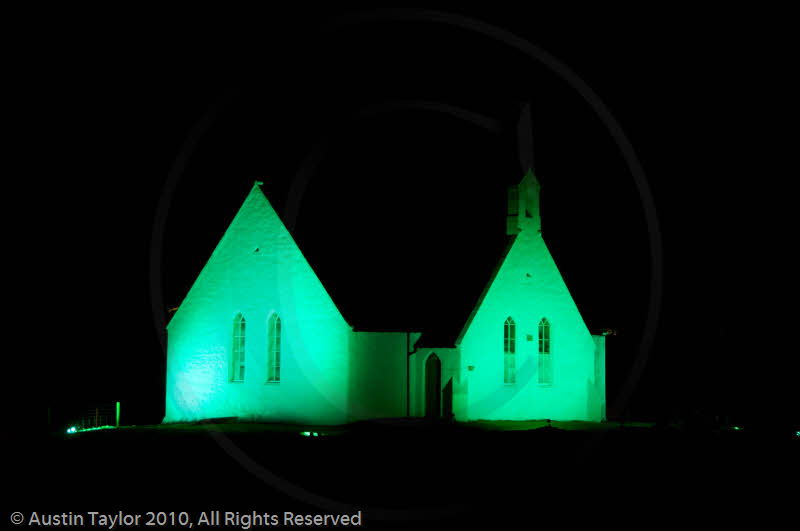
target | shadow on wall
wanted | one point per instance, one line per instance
(377, 375)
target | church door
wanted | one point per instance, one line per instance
(433, 387)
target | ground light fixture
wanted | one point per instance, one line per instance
(73, 429)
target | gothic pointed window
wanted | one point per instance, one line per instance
(237, 350)
(274, 348)
(509, 350)
(545, 353)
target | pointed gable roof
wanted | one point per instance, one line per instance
(256, 198)
(509, 244)
(449, 334)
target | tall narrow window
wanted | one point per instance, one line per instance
(509, 348)
(274, 348)
(237, 352)
(545, 353)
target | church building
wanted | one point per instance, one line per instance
(258, 337)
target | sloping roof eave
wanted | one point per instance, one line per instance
(500, 262)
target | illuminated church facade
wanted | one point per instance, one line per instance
(258, 337)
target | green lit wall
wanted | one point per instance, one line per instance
(331, 374)
(597, 391)
(377, 375)
(528, 287)
(528, 300)
(257, 269)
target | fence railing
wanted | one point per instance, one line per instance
(98, 416)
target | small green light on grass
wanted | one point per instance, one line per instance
(73, 429)
(305, 433)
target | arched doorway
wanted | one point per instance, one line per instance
(433, 387)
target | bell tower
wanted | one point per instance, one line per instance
(523, 206)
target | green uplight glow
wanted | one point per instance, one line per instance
(73, 429)
(258, 271)
(322, 371)
(555, 371)
(106, 427)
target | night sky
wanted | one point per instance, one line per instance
(399, 138)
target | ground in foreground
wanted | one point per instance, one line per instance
(403, 473)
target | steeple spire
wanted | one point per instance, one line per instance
(523, 205)
(523, 198)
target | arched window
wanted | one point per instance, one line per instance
(237, 351)
(545, 353)
(274, 348)
(509, 348)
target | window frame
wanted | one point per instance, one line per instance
(237, 367)
(545, 353)
(274, 333)
(509, 351)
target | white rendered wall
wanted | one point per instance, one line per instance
(237, 279)
(377, 375)
(527, 299)
(598, 390)
(528, 287)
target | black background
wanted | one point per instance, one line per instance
(403, 215)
